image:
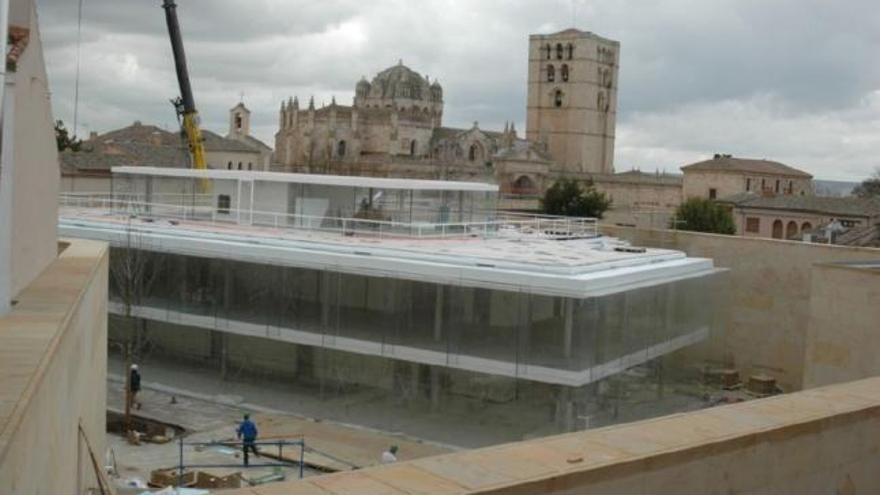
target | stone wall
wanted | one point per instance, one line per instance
(30, 179)
(767, 302)
(843, 336)
(821, 441)
(53, 369)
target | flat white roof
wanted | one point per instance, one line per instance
(575, 268)
(318, 179)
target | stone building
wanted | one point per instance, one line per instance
(724, 175)
(394, 127)
(240, 130)
(572, 98)
(88, 170)
(851, 220)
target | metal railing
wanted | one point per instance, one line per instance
(300, 445)
(200, 210)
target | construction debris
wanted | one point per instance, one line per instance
(762, 385)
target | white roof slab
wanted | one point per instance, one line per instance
(517, 262)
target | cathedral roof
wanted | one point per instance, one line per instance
(399, 81)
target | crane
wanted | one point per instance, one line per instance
(185, 105)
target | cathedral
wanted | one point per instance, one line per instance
(394, 126)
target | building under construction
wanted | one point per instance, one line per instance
(419, 292)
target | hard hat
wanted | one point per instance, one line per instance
(134, 366)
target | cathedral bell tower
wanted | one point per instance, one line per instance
(572, 99)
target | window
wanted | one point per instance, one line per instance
(472, 152)
(229, 166)
(548, 50)
(557, 98)
(748, 184)
(238, 121)
(753, 225)
(713, 193)
(340, 148)
(763, 184)
(250, 166)
(564, 72)
(570, 51)
(777, 186)
(223, 203)
(790, 187)
(551, 73)
(807, 226)
(239, 165)
(412, 148)
(559, 51)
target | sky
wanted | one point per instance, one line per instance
(797, 81)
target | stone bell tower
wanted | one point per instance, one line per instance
(239, 120)
(572, 98)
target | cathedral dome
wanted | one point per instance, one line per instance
(363, 88)
(400, 81)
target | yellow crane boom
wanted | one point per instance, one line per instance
(185, 105)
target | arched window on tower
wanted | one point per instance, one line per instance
(570, 51)
(340, 148)
(559, 51)
(557, 98)
(551, 73)
(472, 152)
(564, 71)
(548, 50)
(237, 121)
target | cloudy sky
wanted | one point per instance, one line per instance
(792, 80)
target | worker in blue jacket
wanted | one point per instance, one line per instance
(247, 432)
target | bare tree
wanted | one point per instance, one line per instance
(133, 272)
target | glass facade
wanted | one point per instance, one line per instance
(276, 203)
(550, 355)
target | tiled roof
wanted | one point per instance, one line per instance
(451, 132)
(727, 163)
(101, 160)
(834, 206)
(216, 142)
(256, 143)
(140, 145)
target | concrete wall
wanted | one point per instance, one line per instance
(843, 335)
(30, 176)
(818, 442)
(53, 367)
(767, 309)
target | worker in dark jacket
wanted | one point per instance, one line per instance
(134, 386)
(247, 433)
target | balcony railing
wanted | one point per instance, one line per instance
(198, 210)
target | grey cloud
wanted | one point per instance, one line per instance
(689, 68)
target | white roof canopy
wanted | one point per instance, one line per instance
(325, 180)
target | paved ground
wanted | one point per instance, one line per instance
(209, 416)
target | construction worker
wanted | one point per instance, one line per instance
(247, 433)
(134, 386)
(390, 455)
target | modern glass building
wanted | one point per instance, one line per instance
(418, 291)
